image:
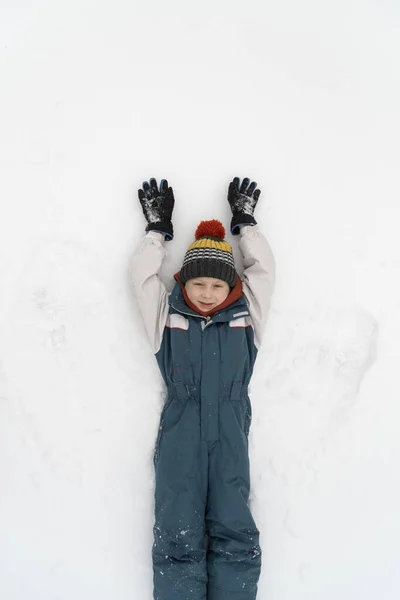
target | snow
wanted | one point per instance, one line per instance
(302, 98)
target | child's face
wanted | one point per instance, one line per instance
(206, 292)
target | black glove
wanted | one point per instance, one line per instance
(157, 207)
(242, 201)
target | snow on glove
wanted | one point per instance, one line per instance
(157, 205)
(242, 201)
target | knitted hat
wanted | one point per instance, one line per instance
(210, 255)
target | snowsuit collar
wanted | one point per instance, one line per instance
(180, 300)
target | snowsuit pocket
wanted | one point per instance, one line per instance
(173, 411)
(248, 416)
(166, 406)
(241, 406)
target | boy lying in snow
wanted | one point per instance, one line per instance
(205, 336)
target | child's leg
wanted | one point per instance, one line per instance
(181, 464)
(234, 557)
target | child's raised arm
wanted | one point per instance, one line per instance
(150, 291)
(258, 260)
(146, 262)
(258, 280)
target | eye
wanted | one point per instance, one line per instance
(218, 285)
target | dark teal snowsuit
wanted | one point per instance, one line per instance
(206, 543)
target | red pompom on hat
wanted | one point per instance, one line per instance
(210, 255)
(211, 228)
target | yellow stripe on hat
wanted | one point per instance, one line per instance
(208, 243)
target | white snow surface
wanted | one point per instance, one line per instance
(96, 97)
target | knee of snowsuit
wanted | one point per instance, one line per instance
(201, 461)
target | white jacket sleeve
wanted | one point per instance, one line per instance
(150, 292)
(258, 281)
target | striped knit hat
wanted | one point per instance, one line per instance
(210, 255)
